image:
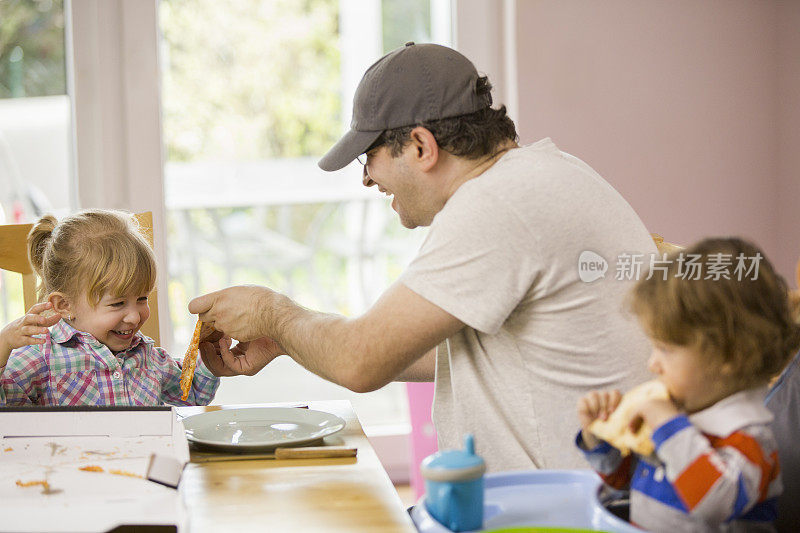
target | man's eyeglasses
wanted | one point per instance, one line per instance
(363, 159)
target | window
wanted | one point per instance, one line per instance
(252, 97)
(34, 120)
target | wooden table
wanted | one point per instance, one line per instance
(346, 494)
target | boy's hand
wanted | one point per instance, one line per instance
(594, 405)
(20, 332)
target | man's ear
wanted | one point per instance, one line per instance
(61, 304)
(426, 149)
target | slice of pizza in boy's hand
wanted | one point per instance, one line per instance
(616, 430)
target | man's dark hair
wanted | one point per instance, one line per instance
(470, 136)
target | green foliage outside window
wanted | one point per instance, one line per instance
(403, 21)
(32, 48)
(250, 80)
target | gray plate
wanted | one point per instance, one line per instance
(260, 428)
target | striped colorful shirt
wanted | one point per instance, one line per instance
(715, 470)
(74, 368)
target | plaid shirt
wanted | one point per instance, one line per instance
(74, 368)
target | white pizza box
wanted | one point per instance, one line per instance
(124, 445)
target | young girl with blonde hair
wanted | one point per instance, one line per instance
(96, 271)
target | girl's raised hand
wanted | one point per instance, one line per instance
(21, 332)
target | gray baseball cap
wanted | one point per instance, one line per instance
(410, 85)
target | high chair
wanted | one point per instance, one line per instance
(14, 258)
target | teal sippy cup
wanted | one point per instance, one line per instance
(454, 487)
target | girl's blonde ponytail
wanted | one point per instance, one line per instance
(39, 238)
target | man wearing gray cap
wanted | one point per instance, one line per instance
(494, 308)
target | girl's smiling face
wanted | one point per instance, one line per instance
(113, 321)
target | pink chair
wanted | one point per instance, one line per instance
(423, 435)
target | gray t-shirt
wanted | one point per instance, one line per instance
(502, 257)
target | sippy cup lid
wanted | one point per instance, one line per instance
(454, 465)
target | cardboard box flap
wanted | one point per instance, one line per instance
(109, 421)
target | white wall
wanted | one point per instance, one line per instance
(788, 136)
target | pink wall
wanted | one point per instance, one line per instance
(687, 107)
(789, 133)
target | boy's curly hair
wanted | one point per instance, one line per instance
(750, 324)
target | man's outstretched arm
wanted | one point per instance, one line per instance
(362, 354)
(423, 369)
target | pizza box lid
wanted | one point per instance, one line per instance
(136, 455)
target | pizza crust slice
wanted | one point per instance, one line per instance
(201, 332)
(616, 429)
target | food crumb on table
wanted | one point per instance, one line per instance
(124, 473)
(41, 482)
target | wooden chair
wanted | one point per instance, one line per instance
(14, 258)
